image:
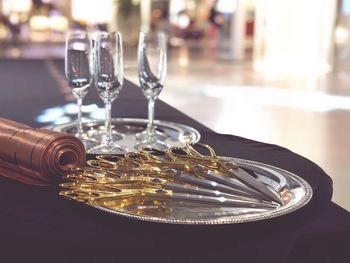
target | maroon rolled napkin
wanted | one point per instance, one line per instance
(37, 156)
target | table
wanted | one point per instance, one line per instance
(39, 226)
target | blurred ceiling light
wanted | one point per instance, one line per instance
(16, 6)
(4, 32)
(183, 57)
(341, 35)
(176, 41)
(93, 11)
(178, 13)
(39, 22)
(294, 37)
(58, 23)
(183, 20)
(191, 5)
(14, 18)
(183, 61)
(226, 6)
(175, 7)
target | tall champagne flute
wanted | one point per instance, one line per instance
(109, 72)
(78, 73)
(152, 71)
(100, 133)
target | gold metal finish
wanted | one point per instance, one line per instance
(154, 183)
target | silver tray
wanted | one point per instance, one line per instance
(295, 193)
(175, 134)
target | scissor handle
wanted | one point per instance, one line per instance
(101, 164)
(85, 194)
(140, 204)
(83, 175)
(138, 158)
(93, 173)
(151, 163)
(174, 153)
(110, 159)
(80, 196)
(154, 154)
(191, 156)
(192, 151)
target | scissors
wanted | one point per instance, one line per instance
(213, 162)
(157, 159)
(114, 163)
(90, 193)
(178, 170)
(154, 162)
(168, 182)
(93, 174)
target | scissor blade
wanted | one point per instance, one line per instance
(214, 185)
(249, 180)
(223, 201)
(227, 181)
(191, 189)
(246, 182)
(230, 182)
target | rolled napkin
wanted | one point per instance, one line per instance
(37, 156)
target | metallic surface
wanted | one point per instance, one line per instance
(233, 175)
(175, 134)
(177, 208)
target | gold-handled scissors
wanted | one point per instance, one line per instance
(156, 163)
(213, 162)
(113, 163)
(181, 170)
(147, 158)
(188, 184)
(89, 174)
(171, 179)
(90, 193)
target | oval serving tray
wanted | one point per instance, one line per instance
(295, 192)
(175, 134)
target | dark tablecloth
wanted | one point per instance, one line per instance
(36, 225)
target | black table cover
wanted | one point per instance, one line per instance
(36, 225)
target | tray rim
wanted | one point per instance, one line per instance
(227, 220)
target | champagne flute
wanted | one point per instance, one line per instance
(109, 82)
(78, 73)
(152, 70)
(100, 133)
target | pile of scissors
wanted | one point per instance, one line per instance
(181, 174)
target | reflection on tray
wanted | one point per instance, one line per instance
(186, 185)
(125, 130)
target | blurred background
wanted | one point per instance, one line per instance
(276, 71)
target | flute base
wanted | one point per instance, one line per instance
(142, 136)
(87, 141)
(111, 148)
(152, 143)
(176, 134)
(100, 134)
